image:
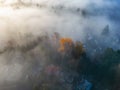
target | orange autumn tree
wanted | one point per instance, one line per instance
(67, 45)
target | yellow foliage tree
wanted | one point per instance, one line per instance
(65, 44)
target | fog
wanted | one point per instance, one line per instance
(84, 21)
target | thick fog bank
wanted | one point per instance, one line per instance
(22, 26)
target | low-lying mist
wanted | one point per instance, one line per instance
(24, 50)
